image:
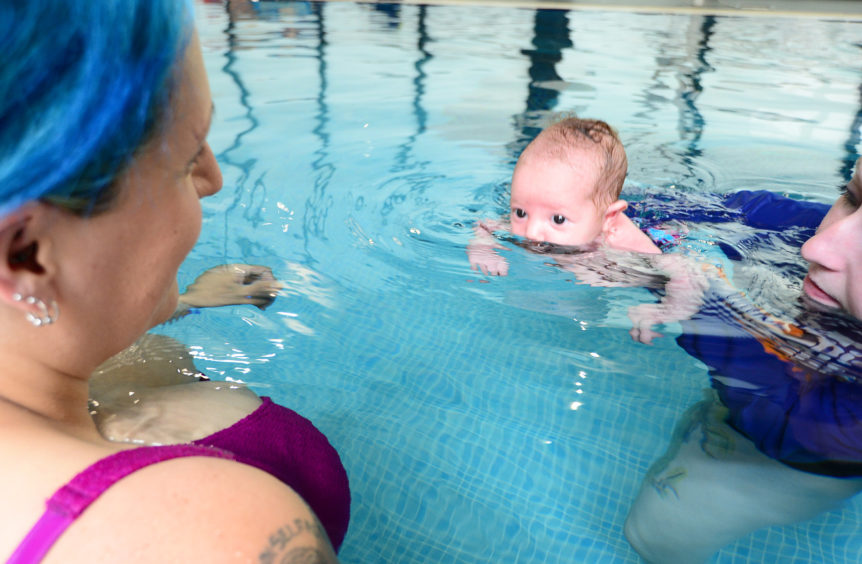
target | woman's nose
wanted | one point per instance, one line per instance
(208, 178)
(824, 248)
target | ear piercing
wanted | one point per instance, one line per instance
(46, 314)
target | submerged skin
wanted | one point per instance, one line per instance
(152, 393)
(184, 510)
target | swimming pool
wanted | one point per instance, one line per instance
(504, 420)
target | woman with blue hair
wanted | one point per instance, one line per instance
(104, 112)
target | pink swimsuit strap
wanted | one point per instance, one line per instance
(71, 500)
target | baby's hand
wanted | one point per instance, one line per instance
(643, 335)
(233, 284)
(643, 317)
(484, 257)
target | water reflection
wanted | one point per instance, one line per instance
(423, 57)
(551, 36)
(691, 119)
(317, 205)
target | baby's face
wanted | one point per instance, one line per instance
(552, 200)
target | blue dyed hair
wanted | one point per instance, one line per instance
(83, 85)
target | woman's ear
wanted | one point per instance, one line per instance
(23, 274)
(613, 215)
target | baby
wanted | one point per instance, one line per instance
(565, 191)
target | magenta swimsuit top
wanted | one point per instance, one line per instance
(272, 438)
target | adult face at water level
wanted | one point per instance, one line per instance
(834, 253)
(103, 161)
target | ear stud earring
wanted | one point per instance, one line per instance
(46, 314)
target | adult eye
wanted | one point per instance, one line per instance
(849, 196)
(520, 213)
(559, 219)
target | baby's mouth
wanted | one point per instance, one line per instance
(546, 248)
(541, 247)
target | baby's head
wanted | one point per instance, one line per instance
(567, 183)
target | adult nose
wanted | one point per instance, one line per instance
(822, 248)
(209, 178)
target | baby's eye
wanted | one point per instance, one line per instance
(520, 213)
(559, 219)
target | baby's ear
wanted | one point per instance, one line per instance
(613, 215)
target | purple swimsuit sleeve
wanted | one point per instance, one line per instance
(281, 442)
(273, 438)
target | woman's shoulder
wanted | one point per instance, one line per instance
(195, 508)
(191, 507)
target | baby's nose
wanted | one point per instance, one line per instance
(535, 231)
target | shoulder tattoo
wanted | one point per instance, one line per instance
(283, 546)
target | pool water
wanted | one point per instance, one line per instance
(508, 419)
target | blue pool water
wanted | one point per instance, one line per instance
(490, 420)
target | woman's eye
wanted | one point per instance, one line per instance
(520, 213)
(191, 166)
(849, 196)
(559, 219)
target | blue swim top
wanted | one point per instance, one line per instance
(794, 387)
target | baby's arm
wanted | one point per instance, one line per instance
(683, 297)
(482, 249)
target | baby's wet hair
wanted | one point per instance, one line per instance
(593, 129)
(571, 132)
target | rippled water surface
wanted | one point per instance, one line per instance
(492, 420)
